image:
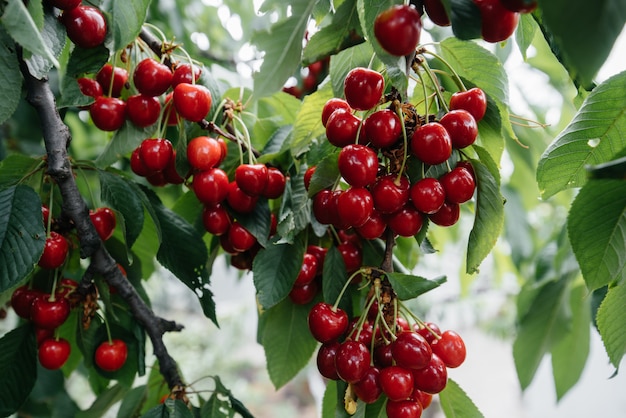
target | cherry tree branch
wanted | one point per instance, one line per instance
(57, 137)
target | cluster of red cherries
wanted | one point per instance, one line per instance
(85, 25)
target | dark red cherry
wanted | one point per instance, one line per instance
(331, 105)
(308, 270)
(251, 178)
(112, 79)
(108, 113)
(459, 185)
(355, 206)
(382, 128)
(450, 348)
(215, 219)
(156, 153)
(431, 143)
(64, 4)
(358, 165)
(89, 87)
(432, 378)
(276, 183)
(368, 388)
(498, 23)
(240, 201)
(403, 409)
(520, 6)
(352, 361)
(151, 77)
(240, 238)
(53, 353)
(473, 101)
(86, 26)
(437, 12)
(192, 101)
(427, 195)
(390, 193)
(342, 128)
(406, 222)
(363, 88)
(461, 127)
(22, 299)
(447, 215)
(398, 29)
(143, 110)
(411, 350)
(55, 251)
(49, 314)
(327, 323)
(302, 295)
(211, 186)
(374, 226)
(396, 382)
(182, 74)
(326, 360)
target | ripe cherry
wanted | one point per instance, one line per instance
(326, 360)
(430, 331)
(49, 314)
(355, 206)
(498, 23)
(396, 382)
(352, 256)
(411, 350)
(450, 348)
(53, 353)
(112, 79)
(374, 226)
(308, 270)
(447, 215)
(204, 152)
(89, 87)
(251, 178)
(461, 127)
(182, 74)
(156, 153)
(432, 378)
(192, 101)
(103, 220)
(331, 105)
(276, 183)
(142, 110)
(473, 101)
(390, 193)
(151, 77)
(363, 88)
(403, 409)
(64, 4)
(397, 29)
(427, 195)
(437, 12)
(406, 222)
(327, 323)
(240, 238)
(111, 356)
(459, 185)
(382, 128)
(431, 143)
(342, 128)
(85, 26)
(301, 295)
(382, 356)
(322, 207)
(520, 6)
(170, 174)
(108, 113)
(137, 165)
(352, 361)
(308, 174)
(368, 388)
(240, 201)
(22, 299)
(215, 219)
(319, 253)
(211, 186)
(55, 251)
(358, 165)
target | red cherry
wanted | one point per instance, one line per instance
(215, 219)
(89, 87)
(447, 215)
(352, 361)
(42, 334)
(406, 222)
(431, 143)
(364, 334)
(355, 206)
(276, 182)
(342, 128)
(137, 165)
(437, 12)
(182, 74)
(374, 226)
(251, 178)
(326, 360)
(240, 201)
(431, 333)
(49, 314)
(473, 101)
(363, 88)
(108, 113)
(358, 165)
(323, 206)
(112, 79)
(142, 110)
(331, 105)
(308, 270)
(368, 388)
(498, 23)
(64, 4)
(55, 251)
(382, 356)
(301, 295)
(397, 29)
(111, 356)
(432, 378)
(411, 350)
(423, 398)
(352, 256)
(170, 111)
(240, 238)
(427, 195)
(327, 323)
(459, 185)
(192, 101)
(204, 152)
(156, 153)
(211, 186)
(22, 300)
(85, 26)
(520, 6)
(461, 127)
(403, 409)
(53, 353)
(151, 77)
(170, 173)
(450, 348)
(307, 176)
(103, 220)
(390, 193)
(382, 128)
(396, 382)
(45, 214)
(319, 253)
(65, 288)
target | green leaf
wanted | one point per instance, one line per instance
(21, 26)
(409, 287)
(104, 402)
(18, 367)
(171, 408)
(54, 36)
(583, 36)
(295, 211)
(334, 277)
(489, 217)
(594, 136)
(216, 407)
(10, 76)
(570, 354)
(597, 231)
(127, 18)
(283, 48)
(325, 175)
(287, 341)
(465, 19)
(611, 323)
(525, 33)
(22, 234)
(15, 167)
(235, 404)
(124, 141)
(308, 124)
(275, 269)
(258, 221)
(133, 401)
(456, 404)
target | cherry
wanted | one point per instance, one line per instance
(427, 195)
(459, 185)
(111, 356)
(331, 105)
(403, 409)
(382, 128)
(45, 214)
(423, 398)
(397, 29)
(520, 6)
(156, 153)
(406, 222)
(22, 299)
(192, 101)
(170, 174)
(112, 79)
(450, 348)
(85, 26)
(473, 101)
(355, 206)
(352, 256)
(326, 360)
(53, 353)
(89, 87)
(103, 220)
(137, 165)
(182, 74)
(364, 334)
(211, 186)
(447, 215)
(42, 334)
(319, 253)
(358, 165)
(342, 128)
(142, 110)
(55, 251)
(49, 314)
(327, 323)
(396, 382)
(65, 288)
(368, 388)
(461, 127)
(108, 113)
(251, 178)
(308, 270)
(373, 227)
(301, 295)
(240, 201)
(352, 361)
(276, 182)
(432, 378)
(390, 193)
(382, 356)
(240, 238)
(204, 152)
(431, 143)
(64, 4)
(437, 12)
(215, 219)
(323, 207)
(430, 332)
(151, 77)
(363, 88)
(498, 23)
(169, 110)
(307, 176)
(411, 350)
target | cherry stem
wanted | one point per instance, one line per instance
(345, 286)
(424, 64)
(405, 141)
(106, 325)
(455, 76)
(426, 104)
(52, 297)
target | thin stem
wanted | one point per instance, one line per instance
(433, 80)
(455, 76)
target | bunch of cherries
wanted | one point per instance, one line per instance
(85, 25)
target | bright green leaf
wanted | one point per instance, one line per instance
(308, 124)
(10, 76)
(295, 211)
(54, 36)
(456, 404)
(409, 287)
(325, 175)
(104, 402)
(611, 323)
(15, 167)
(127, 17)
(124, 141)
(343, 62)
(525, 32)
(18, 367)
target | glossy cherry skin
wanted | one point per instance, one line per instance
(89, 87)
(447, 215)
(302, 295)
(182, 74)
(374, 226)
(112, 79)
(432, 378)
(240, 238)
(461, 127)
(22, 300)
(86, 26)
(192, 101)
(450, 348)
(473, 101)
(382, 128)
(211, 186)
(363, 88)
(327, 323)
(352, 361)
(358, 165)
(251, 178)
(498, 23)
(53, 353)
(431, 333)
(240, 201)
(411, 350)
(64, 4)
(322, 207)
(331, 105)
(396, 382)
(403, 409)
(156, 153)
(204, 152)
(215, 219)
(368, 388)
(406, 222)
(308, 174)
(142, 110)
(459, 185)
(151, 77)
(437, 12)
(390, 193)
(326, 360)
(55, 251)
(276, 183)
(308, 270)
(110, 357)
(352, 256)
(49, 314)
(398, 29)
(342, 128)
(355, 206)
(520, 6)
(431, 143)
(137, 166)
(108, 113)
(103, 220)
(382, 356)
(427, 195)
